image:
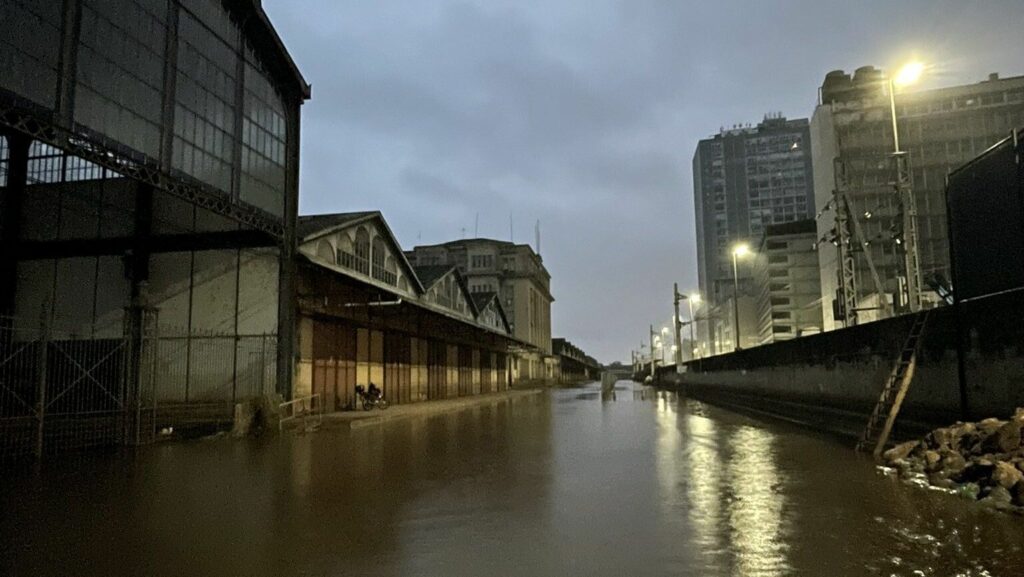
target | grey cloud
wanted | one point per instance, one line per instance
(583, 114)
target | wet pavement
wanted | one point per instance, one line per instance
(570, 482)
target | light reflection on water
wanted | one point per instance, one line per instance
(756, 505)
(704, 488)
(637, 482)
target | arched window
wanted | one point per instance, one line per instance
(378, 256)
(346, 252)
(324, 251)
(362, 260)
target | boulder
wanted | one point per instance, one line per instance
(953, 462)
(932, 460)
(1018, 415)
(998, 497)
(1005, 439)
(900, 452)
(989, 426)
(976, 472)
(1006, 475)
(1018, 494)
(941, 438)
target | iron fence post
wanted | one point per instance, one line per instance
(44, 344)
(154, 365)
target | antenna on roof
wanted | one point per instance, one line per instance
(538, 237)
(511, 229)
(463, 233)
(476, 225)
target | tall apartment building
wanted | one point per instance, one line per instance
(787, 281)
(523, 284)
(939, 129)
(744, 179)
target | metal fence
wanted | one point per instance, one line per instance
(64, 388)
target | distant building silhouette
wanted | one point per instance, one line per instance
(523, 284)
(744, 179)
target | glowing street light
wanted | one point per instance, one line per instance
(908, 74)
(740, 250)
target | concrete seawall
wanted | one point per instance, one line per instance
(832, 380)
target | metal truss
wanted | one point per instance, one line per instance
(17, 117)
(912, 265)
(847, 264)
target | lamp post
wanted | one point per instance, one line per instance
(652, 352)
(737, 251)
(907, 75)
(690, 300)
(676, 324)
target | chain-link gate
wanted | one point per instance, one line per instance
(63, 389)
(59, 390)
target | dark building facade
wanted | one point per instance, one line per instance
(744, 179)
(148, 192)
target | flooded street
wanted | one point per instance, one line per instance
(569, 482)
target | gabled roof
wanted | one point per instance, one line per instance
(429, 274)
(483, 299)
(312, 226)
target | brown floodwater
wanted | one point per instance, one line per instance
(570, 482)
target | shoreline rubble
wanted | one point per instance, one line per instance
(981, 461)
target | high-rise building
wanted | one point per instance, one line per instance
(744, 179)
(523, 284)
(852, 130)
(788, 287)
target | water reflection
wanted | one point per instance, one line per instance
(568, 483)
(704, 489)
(755, 504)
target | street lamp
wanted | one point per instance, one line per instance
(907, 75)
(690, 299)
(740, 250)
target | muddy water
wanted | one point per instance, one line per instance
(566, 483)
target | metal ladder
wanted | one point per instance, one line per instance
(888, 406)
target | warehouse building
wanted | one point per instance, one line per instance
(367, 316)
(148, 190)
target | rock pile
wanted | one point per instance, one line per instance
(982, 461)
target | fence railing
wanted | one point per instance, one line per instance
(64, 388)
(305, 408)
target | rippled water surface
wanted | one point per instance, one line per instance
(570, 482)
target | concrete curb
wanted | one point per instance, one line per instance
(357, 420)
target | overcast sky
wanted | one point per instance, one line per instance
(583, 114)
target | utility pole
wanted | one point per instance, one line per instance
(906, 201)
(847, 264)
(693, 343)
(679, 343)
(652, 352)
